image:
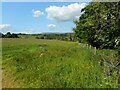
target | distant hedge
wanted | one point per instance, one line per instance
(57, 36)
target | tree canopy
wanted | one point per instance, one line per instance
(99, 25)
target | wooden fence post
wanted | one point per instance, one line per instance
(90, 47)
(95, 50)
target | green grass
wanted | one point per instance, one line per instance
(32, 63)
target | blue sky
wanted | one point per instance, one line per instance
(39, 17)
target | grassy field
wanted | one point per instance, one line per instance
(33, 63)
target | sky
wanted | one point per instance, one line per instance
(40, 17)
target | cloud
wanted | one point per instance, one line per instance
(5, 26)
(51, 25)
(61, 0)
(65, 13)
(77, 17)
(37, 13)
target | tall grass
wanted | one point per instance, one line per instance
(31, 63)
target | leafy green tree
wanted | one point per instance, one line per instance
(8, 35)
(2, 35)
(14, 35)
(98, 25)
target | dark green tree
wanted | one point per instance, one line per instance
(14, 35)
(99, 24)
(8, 35)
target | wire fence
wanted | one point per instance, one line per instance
(110, 63)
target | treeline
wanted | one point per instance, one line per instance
(57, 36)
(51, 36)
(99, 25)
(8, 35)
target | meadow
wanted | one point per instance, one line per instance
(36, 63)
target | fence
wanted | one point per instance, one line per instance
(92, 49)
(111, 64)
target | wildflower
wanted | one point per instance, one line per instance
(106, 83)
(105, 78)
(100, 85)
(41, 54)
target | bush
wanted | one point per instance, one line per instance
(37, 37)
(42, 37)
(118, 53)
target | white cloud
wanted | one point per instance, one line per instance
(61, 0)
(65, 13)
(5, 26)
(51, 25)
(37, 13)
(77, 17)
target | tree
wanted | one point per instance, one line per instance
(8, 35)
(2, 35)
(98, 25)
(14, 35)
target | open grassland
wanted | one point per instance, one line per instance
(33, 63)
